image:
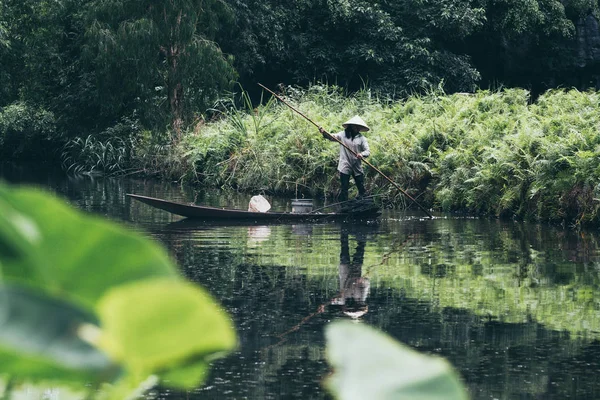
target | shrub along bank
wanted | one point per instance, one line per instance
(493, 153)
(488, 153)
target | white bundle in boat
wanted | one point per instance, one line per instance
(259, 204)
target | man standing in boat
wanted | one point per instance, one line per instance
(350, 164)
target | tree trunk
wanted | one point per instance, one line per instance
(176, 102)
(175, 87)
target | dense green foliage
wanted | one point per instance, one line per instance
(406, 46)
(490, 153)
(395, 46)
(25, 129)
(148, 55)
(94, 63)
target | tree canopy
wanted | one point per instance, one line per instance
(103, 66)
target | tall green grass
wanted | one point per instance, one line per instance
(490, 153)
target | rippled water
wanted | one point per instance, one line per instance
(514, 307)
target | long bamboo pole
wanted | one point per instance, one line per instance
(350, 150)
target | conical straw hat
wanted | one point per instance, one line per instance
(356, 120)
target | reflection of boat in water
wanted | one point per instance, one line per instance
(361, 211)
(258, 234)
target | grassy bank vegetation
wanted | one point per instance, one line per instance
(493, 153)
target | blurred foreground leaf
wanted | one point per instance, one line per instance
(18, 233)
(186, 376)
(39, 339)
(67, 253)
(35, 391)
(371, 365)
(192, 327)
(58, 267)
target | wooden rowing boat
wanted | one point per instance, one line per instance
(214, 213)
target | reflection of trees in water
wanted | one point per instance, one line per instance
(506, 270)
(425, 308)
(264, 302)
(454, 290)
(495, 358)
(548, 252)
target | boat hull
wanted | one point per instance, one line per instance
(214, 213)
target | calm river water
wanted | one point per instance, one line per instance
(514, 307)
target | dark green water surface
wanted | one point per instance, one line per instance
(514, 307)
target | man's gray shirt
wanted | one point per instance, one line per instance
(349, 164)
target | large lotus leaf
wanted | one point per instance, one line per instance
(18, 233)
(371, 365)
(128, 387)
(29, 391)
(186, 376)
(82, 255)
(39, 339)
(160, 325)
(152, 322)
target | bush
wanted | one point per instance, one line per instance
(108, 152)
(26, 131)
(488, 153)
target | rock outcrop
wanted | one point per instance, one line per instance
(588, 49)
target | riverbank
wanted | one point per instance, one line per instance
(489, 153)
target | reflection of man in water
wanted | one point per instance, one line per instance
(354, 288)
